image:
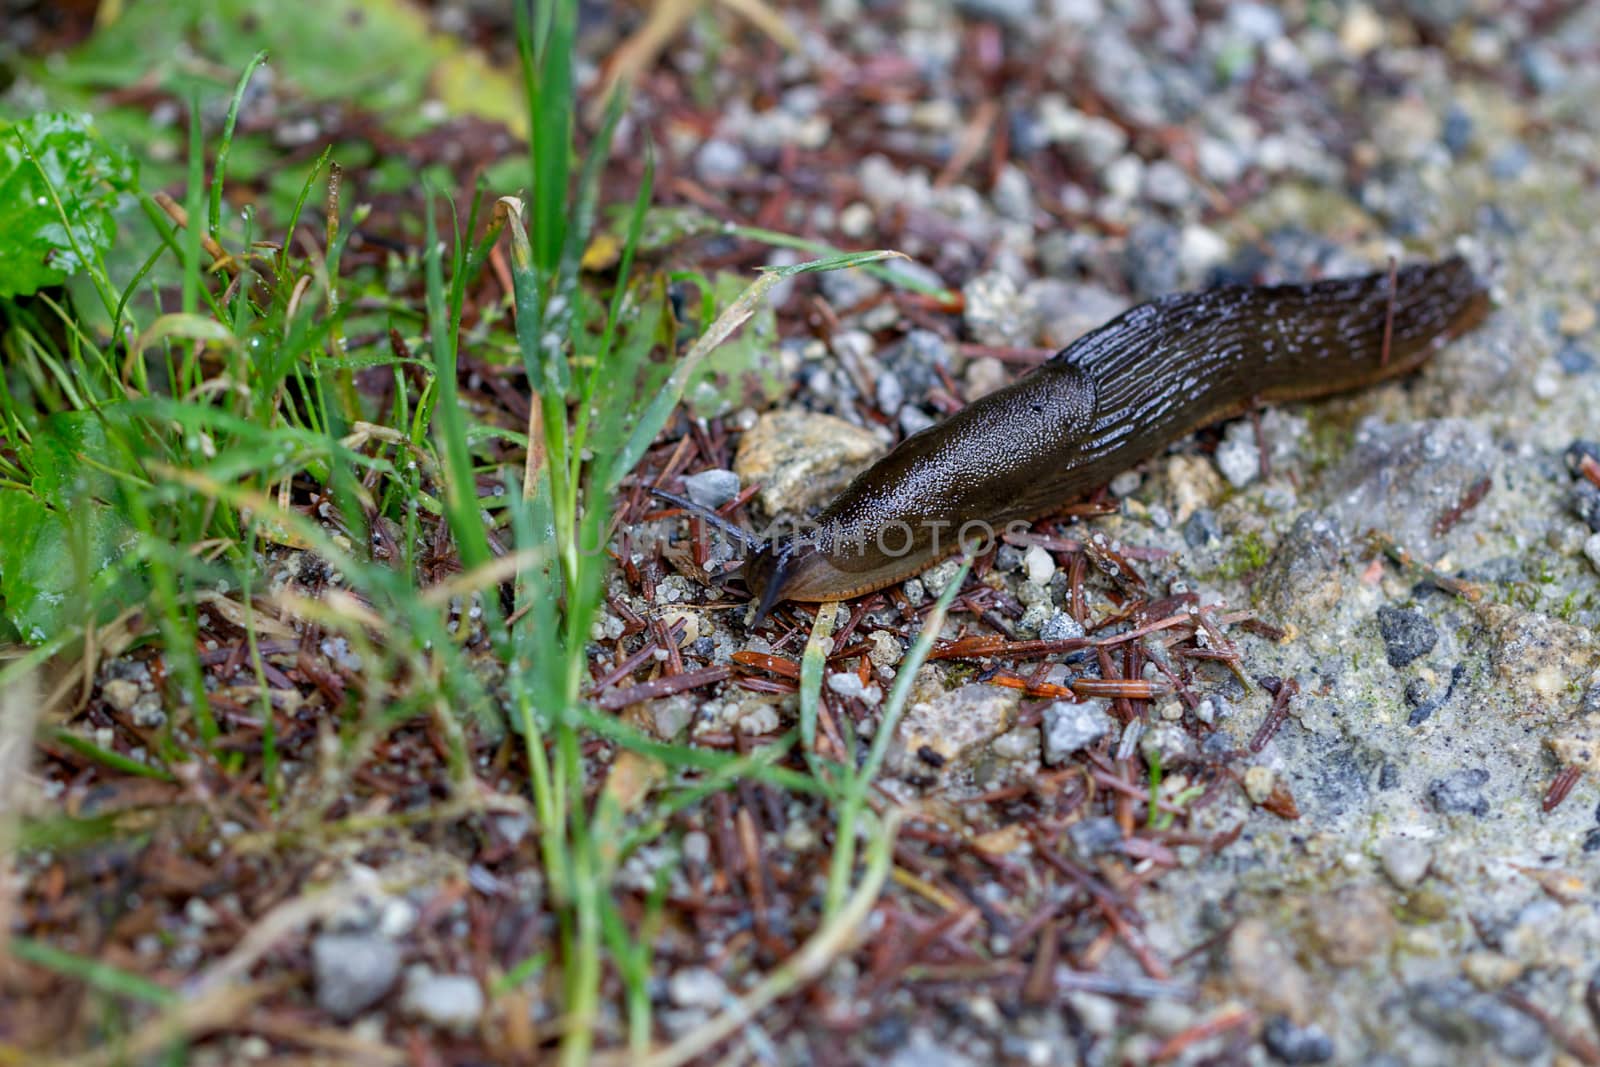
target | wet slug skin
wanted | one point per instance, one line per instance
(1114, 397)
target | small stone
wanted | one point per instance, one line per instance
(1585, 501)
(995, 312)
(352, 972)
(759, 719)
(985, 375)
(856, 220)
(120, 694)
(1361, 30)
(1578, 317)
(1258, 783)
(1591, 550)
(1200, 249)
(697, 987)
(1537, 656)
(954, 725)
(148, 712)
(1289, 1043)
(1124, 177)
(1202, 529)
(1405, 860)
(1407, 634)
(1490, 971)
(1574, 360)
(1126, 484)
(1265, 972)
(801, 458)
(1090, 837)
(448, 1001)
(1060, 627)
(1458, 130)
(1510, 161)
(1460, 793)
(1462, 1015)
(889, 393)
(1352, 926)
(1238, 455)
(719, 161)
(712, 488)
(1069, 727)
(846, 684)
(1167, 743)
(1166, 184)
(1040, 565)
(1577, 744)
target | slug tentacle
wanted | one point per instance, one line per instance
(1112, 398)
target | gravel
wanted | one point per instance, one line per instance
(352, 972)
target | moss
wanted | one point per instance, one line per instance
(1247, 553)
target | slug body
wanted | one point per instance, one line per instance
(1111, 399)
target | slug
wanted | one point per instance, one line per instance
(1114, 397)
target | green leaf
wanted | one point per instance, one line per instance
(747, 363)
(59, 185)
(51, 564)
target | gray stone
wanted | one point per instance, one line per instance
(697, 987)
(1460, 793)
(1463, 1016)
(712, 488)
(448, 1001)
(352, 972)
(1407, 634)
(1069, 728)
(1092, 836)
(1060, 627)
(1289, 1043)
(1405, 860)
(719, 161)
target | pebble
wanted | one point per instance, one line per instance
(448, 1001)
(983, 376)
(1456, 1012)
(1361, 30)
(1060, 627)
(1405, 860)
(954, 726)
(697, 987)
(1578, 317)
(801, 458)
(1202, 529)
(994, 312)
(352, 972)
(1093, 836)
(1574, 360)
(1069, 727)
(712, 488)
(1124, 177)
(1258, 783)
(1289, 1043)
(1238, 457)
(1166, 184)
(1199, 250)
(1407, 634)
(120, 693)
(1591, 550)
(1460, 793)
(719, 161)
(856, 220)
(1126, 484)
(1040, 565)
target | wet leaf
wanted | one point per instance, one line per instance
(59, 185)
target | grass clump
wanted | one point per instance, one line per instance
(226, 457)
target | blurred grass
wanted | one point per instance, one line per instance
(187, 431)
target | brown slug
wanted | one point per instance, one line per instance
(1112, 398)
